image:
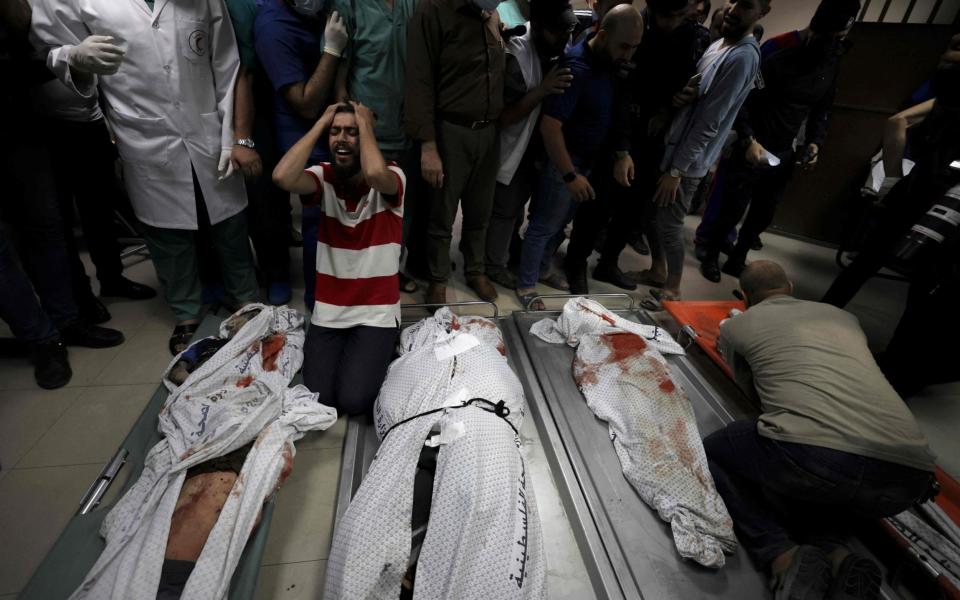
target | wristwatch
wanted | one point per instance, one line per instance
(676, 173)
(570, 177)
(247, 142)
(621, 154)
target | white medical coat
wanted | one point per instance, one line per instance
(171, 103)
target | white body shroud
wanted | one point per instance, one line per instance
(483, 538)
(238, 396)
(621, 371)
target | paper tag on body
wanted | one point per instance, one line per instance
(453, 346)
(458, 398)
(448, 433)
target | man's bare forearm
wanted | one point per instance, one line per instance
(375, 170)
(309, 98)
(552, 131)
(243, 107)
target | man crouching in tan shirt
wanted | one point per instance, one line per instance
(833, 443)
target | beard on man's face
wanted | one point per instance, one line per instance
(345, 160)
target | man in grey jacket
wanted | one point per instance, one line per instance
(725, 75)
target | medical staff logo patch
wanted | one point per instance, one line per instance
(198, 42)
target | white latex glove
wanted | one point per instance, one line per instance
(335, 35)
(225, 169)
(96, 54)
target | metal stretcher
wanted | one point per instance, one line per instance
(80, 544)
(568, 574)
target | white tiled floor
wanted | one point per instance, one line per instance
(53, 443)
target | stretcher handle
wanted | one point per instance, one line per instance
(103, 481)
(496, 309)
(631, 306)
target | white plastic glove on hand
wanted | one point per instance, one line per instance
(335, 35)
(225, 168)
(96, 54)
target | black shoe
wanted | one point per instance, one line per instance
(124, 288)
(640, 247)
(859, 578)
(700, 252)
(502, 276)
(726, 247)
(51, 368)
(613, 274)
(710, 269)
(757, 244)
(92, 310)
(734, 267)
(807, 577)
(577, 279)
(84, 334)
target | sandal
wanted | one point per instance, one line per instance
(526, 301)
(408, 285)
(182, 334)
(657, 298)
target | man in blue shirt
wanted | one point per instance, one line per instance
(300, 57)
(574, 125)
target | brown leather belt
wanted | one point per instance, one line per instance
(462, 122)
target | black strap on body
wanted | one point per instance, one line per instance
(500, 409)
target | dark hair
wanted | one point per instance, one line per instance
(662, 7)
(345, 108)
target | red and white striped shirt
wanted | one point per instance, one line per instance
(358, 252)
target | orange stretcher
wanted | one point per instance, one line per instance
(705, 317)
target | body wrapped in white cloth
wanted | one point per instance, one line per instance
(483, 536)
(620, 369)
(240, 395)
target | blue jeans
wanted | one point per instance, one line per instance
(780, 494)
(552, 209)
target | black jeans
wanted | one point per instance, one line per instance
(743, 185)
(29, 204)
(348, 366)
(781, 494)
(623, 212)
(88, 179)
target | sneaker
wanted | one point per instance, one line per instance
(84, 334)
(613, 274)
(51, 368)
(807, 577)
(124, 288)
(710, 269)
(859, 578)
(279, 293)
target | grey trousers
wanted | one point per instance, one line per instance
(669, 221)
(470, 164)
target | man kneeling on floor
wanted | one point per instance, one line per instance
(356, 312)
(834, 442)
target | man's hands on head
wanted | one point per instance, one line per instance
(667, 190)
(623, 171)
(364, 115)
(335, 35)
(431, 165)
(581, 190)
(556, 81)
(96, 54)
